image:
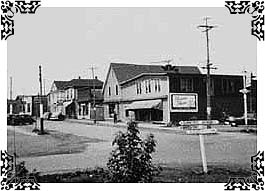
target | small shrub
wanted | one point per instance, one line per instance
(131, 160)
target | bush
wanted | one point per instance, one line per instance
(131, 160)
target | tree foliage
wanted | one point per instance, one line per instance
(131, 160)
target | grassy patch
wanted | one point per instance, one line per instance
(216, 174)
(49, 144)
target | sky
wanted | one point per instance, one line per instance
(67, 42)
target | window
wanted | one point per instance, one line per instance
(117, 90)
(109, 91)
(111, 109)
(138, 88)
(28, 107)
(228, 86)
(149, 86)
(186, 84)
(146, 87)
(126, 113)
(157, 85)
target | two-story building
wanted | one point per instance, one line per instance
(168, 93)
(75, 98)
(56, 97)
(82, 95)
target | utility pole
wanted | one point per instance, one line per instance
(206, 28)
(44, 87)
(10, 88)
(94, 94)
(11, 105)
(40, 101)
(245, 91)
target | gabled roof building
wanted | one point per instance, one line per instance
(167, 93)
(75, 98)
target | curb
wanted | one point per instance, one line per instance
(158, 128)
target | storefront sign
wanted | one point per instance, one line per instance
(184, 102)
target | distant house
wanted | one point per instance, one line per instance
(75, 98)
(167, 93)
(56, 96)
(27, 104)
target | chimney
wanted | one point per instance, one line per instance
(79, 77)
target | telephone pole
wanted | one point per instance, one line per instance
(208, 67)
(245, 91)
(10, 88)
(40, 101)
(10, 95)
(94, 94)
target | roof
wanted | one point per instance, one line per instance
(126, 72)
(85, 83)
(61, 84)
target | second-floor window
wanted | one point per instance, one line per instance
(228, 86)
(186, 84)
(157, 85)
(138, 88)
(147, 86)
(117, 90)
(109, 91)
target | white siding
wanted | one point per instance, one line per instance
(129, 91)
(110, 84)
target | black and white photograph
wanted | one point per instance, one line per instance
(132, 94)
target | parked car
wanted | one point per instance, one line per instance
(58, 116)
(20, 119)
(235, 121)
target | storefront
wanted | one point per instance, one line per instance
(149, 110)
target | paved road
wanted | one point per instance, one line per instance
(172, 149)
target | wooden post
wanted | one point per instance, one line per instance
(204, 162)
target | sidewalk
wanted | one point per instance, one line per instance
(108, 123)
(143, 125)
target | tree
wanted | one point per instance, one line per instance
(131, 160)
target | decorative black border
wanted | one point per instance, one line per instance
(255, 181)
(8, 178)
(255, 9)
(9, 9)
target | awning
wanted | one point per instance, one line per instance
(67, 103)
(149, 104)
